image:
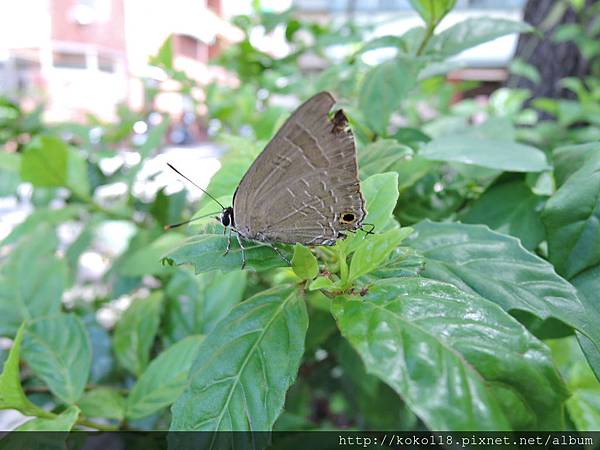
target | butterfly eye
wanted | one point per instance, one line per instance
(348, 218)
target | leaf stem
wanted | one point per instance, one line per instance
(428, 35)
(97, 426)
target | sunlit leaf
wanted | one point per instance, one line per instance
(456, 359)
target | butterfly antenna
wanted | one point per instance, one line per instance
(175, 225)
(178, 172)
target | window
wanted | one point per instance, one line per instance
(69, 60)
(106, 63)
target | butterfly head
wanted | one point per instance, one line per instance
(226, 217)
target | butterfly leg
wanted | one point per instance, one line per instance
(242, 248)
(228, 242)
(276, 250)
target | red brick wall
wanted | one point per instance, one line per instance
(109, 34)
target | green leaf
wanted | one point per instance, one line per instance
(77, 174)
(491, 153)
(45, 162)
(164, 380)
(571, 158)
(375, 250)
(222, 291)
(510, 208)
(206, 252)
(398, 76)
(10, 161)
(572, 220)
(147, 260)
(103, 402)
(321, 283)
(381, 156)
(10, 164)
(46, 276)
(12, 395)
(196, 303)
(495, 266)
(164, 57)
(583, 405)
(523, 69)
(457, 360)
(588, 286)
(474, 31)
(57, 349)
(263, 339)
(155, 138)
(62, 422)
(304, 263)
(135, 332)
(433, 11)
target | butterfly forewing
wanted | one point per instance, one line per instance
(303, 187)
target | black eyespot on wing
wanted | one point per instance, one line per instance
(348, 217)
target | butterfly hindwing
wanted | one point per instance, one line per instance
(303, 187)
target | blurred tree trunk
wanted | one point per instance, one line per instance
(553, 60)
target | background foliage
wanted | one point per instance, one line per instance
(474, 306)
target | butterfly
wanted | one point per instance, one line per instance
(303, 187)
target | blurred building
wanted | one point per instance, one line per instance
(85, 56)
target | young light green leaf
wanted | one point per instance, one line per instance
(510, 208)
(474, 31)
(135, 332)
(497, 267)
(57, 348)
(456, 359)
(206, 252)
(164, 380)
(263, 339)
(375, 250)
(398, 76)
(381, 194)
(32, 260)
(494, 154)
(572, 220)
(304, 263)
(103, 402)
(164, 58)
(433, 11)
(62, 422)
(12, 395)
(321, 283)
(45, 162)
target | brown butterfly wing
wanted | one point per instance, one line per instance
(303, 187)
